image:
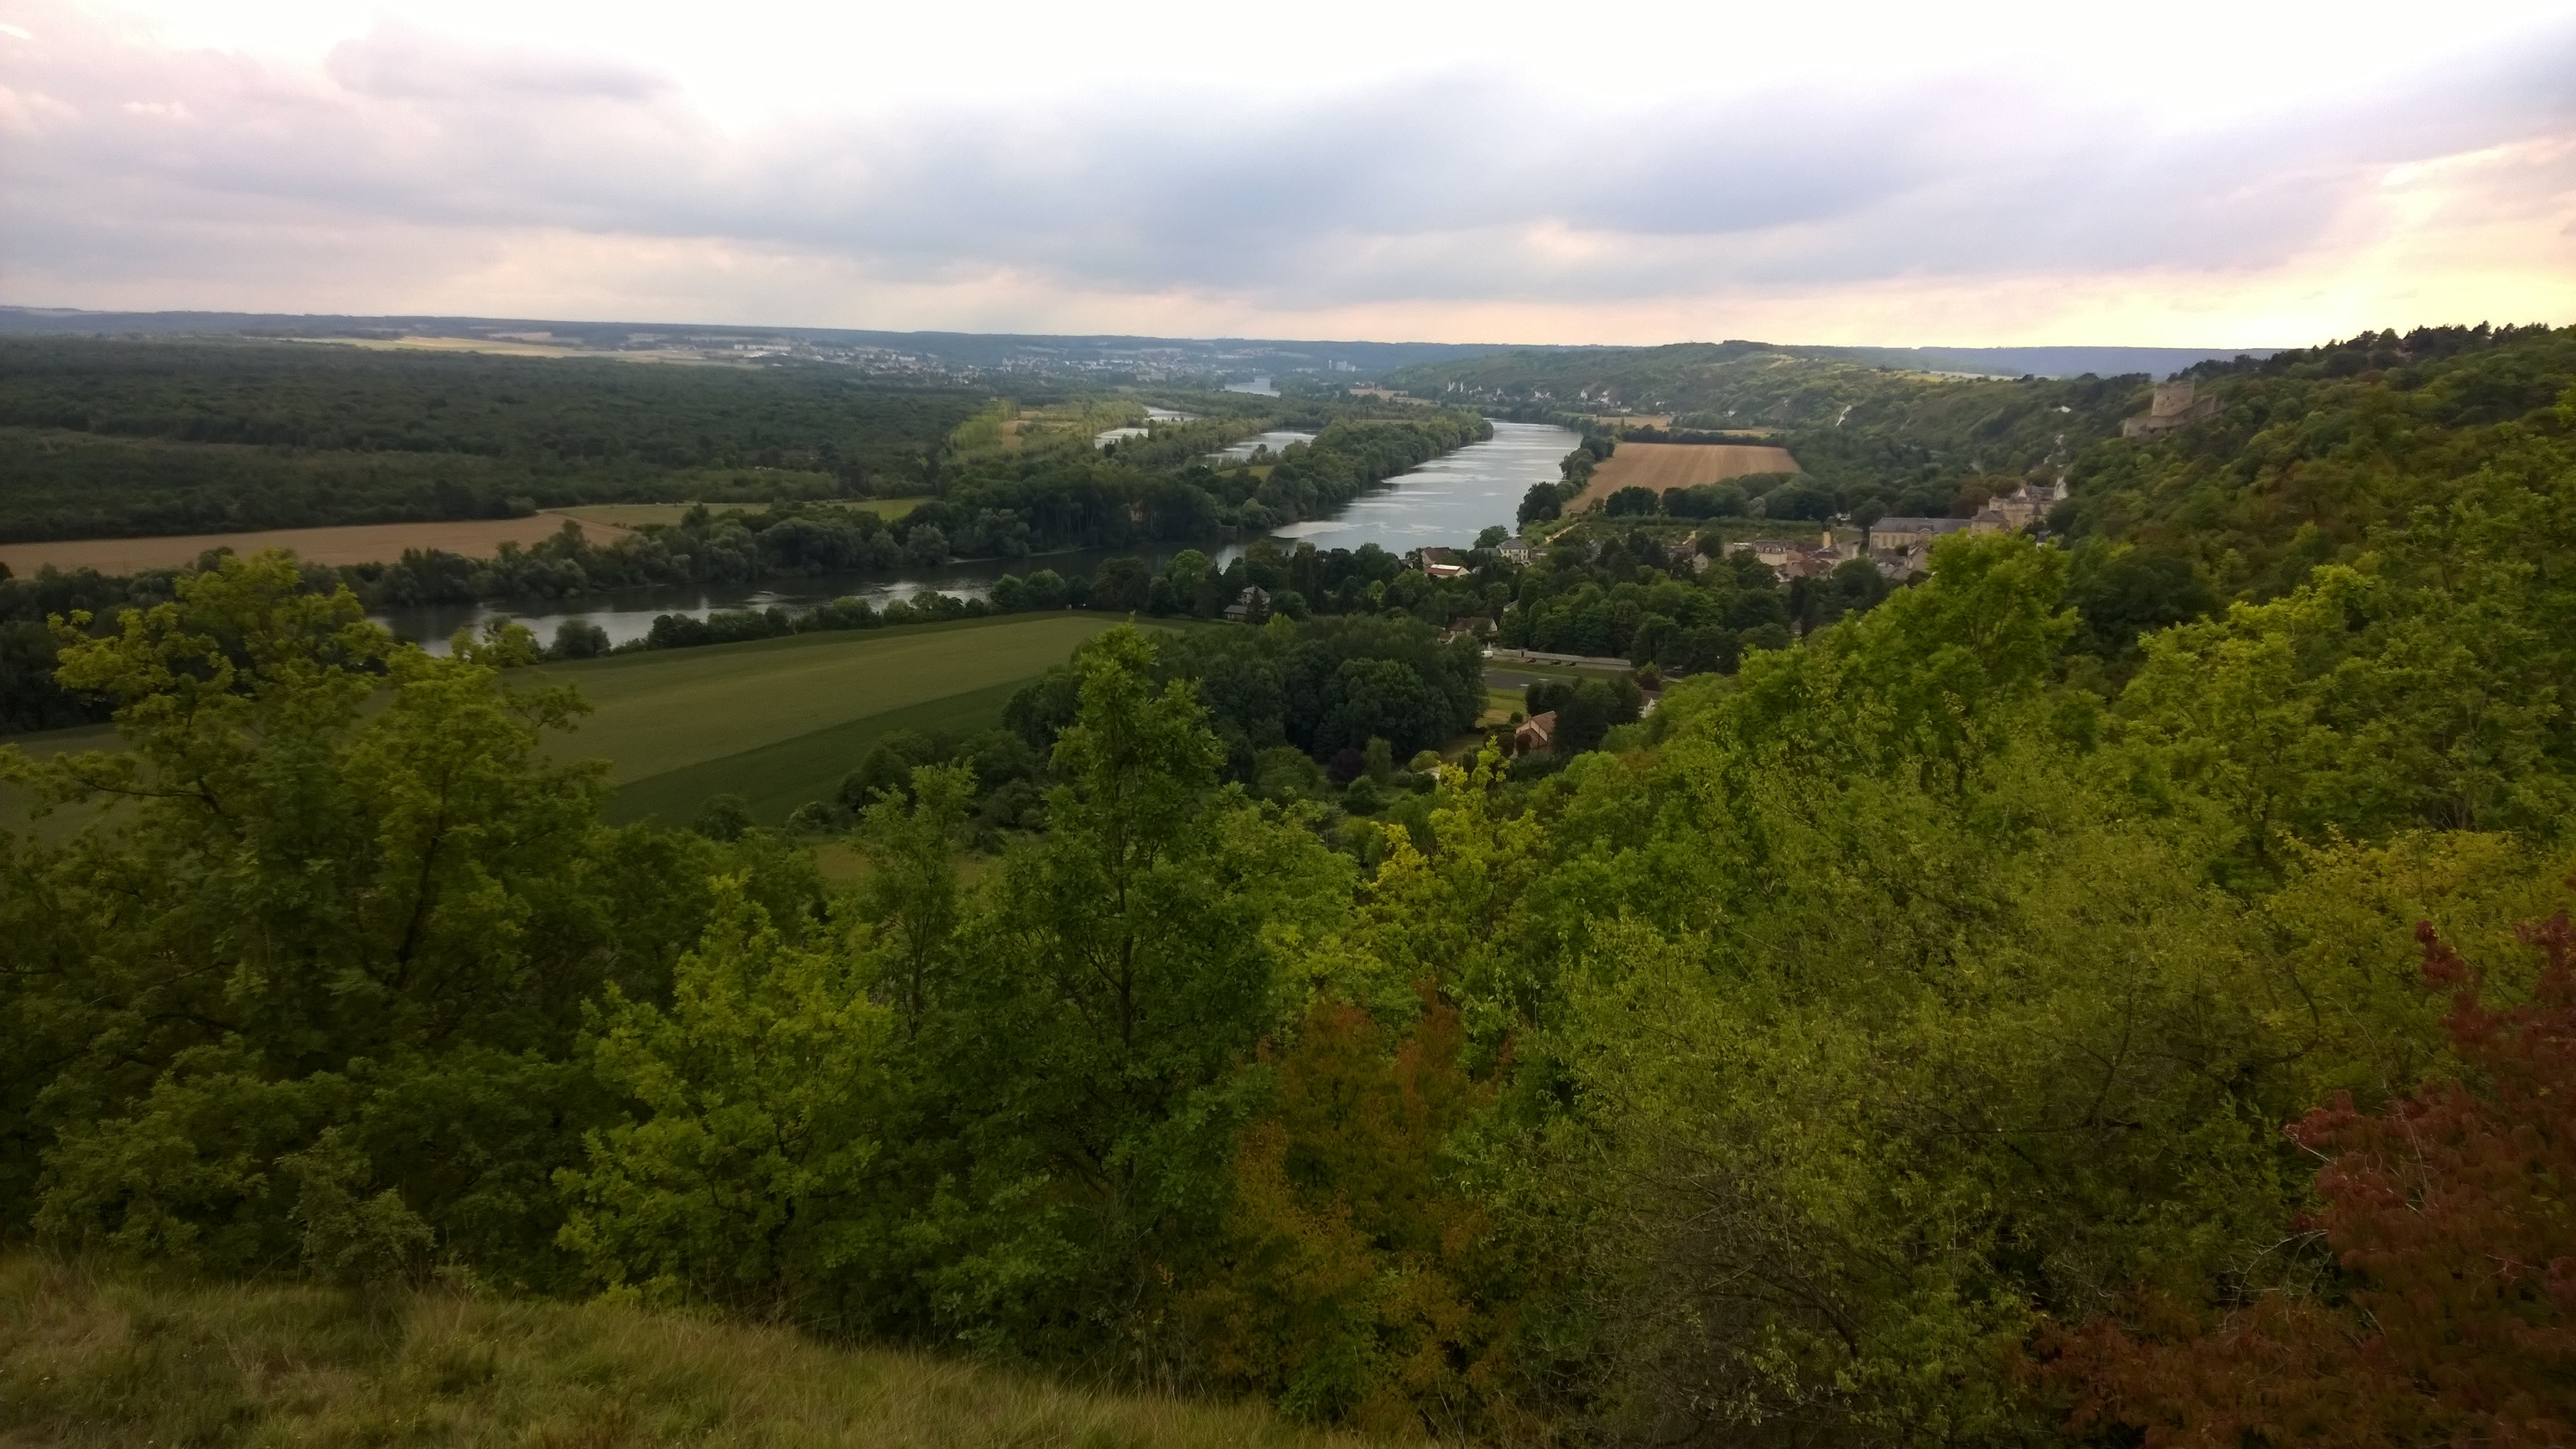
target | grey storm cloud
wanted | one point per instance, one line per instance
(1438, 187)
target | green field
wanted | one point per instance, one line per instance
(779, 721)
(16, 803)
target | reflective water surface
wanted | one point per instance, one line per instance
(1276, 440)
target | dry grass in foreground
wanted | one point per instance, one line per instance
(92, 1358)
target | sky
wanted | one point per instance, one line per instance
(2181, 174)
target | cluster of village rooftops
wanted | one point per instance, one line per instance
(1898, 547)
(1901, 547)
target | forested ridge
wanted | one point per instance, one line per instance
(110, 438)
(2090, 994)
(2313, 450)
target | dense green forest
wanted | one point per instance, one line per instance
(107, 438)
(2017, 1010)
(2315, 450)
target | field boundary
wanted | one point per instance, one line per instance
(571, 670)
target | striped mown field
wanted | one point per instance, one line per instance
(779, 721)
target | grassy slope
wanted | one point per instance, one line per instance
(781, 720)
(87, 1359)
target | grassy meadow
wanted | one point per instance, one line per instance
(779, 721)
(17, 804)
(776, 721)
(94, 1359)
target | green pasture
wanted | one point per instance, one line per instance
(779, 721)
(17, 804)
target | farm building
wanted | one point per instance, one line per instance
(1793, 560)
(1895, 535)
(1537, 734)
(1441, 563)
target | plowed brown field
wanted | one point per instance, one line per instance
(356, 543)
(1659, 466)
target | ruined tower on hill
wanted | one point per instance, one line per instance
(2176, 404)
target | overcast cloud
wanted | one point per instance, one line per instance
(373, 163)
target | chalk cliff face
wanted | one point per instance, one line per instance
(2176, 404)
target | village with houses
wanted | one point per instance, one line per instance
(1629, 673)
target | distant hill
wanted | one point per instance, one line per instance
(975, 352)
(1043, 352)
(2159, 362)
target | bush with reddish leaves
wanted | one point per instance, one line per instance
(2449, 1218)
(1355, 1281)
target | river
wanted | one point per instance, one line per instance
(1446, 501)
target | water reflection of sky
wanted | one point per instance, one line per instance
(1447, 501)
(1450, 499)
(1276, 440)
(1152, 415)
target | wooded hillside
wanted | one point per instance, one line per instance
(2036, 1004)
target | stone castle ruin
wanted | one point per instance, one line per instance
(2177, 403)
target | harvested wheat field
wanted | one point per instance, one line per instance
(1659, 466)
(352, 544)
